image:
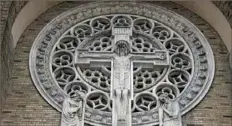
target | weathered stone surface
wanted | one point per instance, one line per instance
(24, 106)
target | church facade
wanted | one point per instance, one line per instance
(112, 63)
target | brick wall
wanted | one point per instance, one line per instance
(25, 106)
(9, 11)
(5, 6)
(4, 10)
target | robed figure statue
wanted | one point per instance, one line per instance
(169, 111)
(73, 110)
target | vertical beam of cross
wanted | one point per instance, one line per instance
(122, 87)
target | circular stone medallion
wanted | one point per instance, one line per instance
(55, 73)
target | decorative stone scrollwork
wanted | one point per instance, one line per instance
(77, 86)
(122, 21)
(181, 61)
(100, 24)
(175, 46)
(102, 44)
(141, 44)
(179, 78)
(146, 102)
(81, 32)
(98, 101)
(97, 79)
(62, 58)
(64, 75)
(145, 78)
(143, 25)
(68, 43)
(56, 71)
(166, 90)
(161, 33)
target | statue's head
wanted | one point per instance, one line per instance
(164, 99)
(76, 96)
(122, 48)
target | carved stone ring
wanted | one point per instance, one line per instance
(166, 49)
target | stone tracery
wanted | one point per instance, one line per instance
(145, 40)
(149, 35)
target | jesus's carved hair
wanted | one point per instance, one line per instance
(122, 48)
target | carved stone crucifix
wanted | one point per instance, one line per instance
(122, 61)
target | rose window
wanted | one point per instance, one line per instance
(57, 75)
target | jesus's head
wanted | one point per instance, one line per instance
(122, 48)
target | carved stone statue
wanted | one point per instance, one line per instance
(122, 87)
(169, 112)
(73, 111)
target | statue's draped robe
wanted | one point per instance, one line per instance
(170, 115)
(72, 113)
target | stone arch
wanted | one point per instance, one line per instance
(27, 15)
(205, 9)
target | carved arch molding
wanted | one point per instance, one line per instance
(54, 73)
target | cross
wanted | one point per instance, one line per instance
(122, 61)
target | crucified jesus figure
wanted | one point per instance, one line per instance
(123, 87)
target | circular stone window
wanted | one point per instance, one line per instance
(189, 64)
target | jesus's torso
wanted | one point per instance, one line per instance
(122, 72)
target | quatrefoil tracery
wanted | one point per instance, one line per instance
(148, 36)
